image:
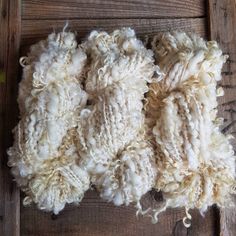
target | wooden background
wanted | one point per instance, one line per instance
(25, 22)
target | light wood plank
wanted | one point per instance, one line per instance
(67, 9)
(222, 15)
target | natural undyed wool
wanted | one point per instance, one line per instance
(43, 157)
(112, 136)
(195, 161)
(82, 120)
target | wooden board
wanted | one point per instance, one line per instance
(95, 217)
(222, 25)
(90, 9)
(33, 30)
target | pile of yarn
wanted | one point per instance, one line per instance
(112, 114)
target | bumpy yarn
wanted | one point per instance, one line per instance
(195, 161)
(43, 157)
(83, 121)
(112, 140)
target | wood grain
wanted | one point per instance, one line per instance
(34, 30)
(95, 217)
(222, 22)
(89, 9)
(9, 47)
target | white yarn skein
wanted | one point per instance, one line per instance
(62, 141)
(112, 139)
(43, 157)
(195, 161)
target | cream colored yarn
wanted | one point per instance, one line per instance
(113, 147)
(195, 161)
(43, 157)
(83, 122)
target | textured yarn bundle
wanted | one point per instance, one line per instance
(84, 122)
(43, 157)
(111, 139)
(195, 161)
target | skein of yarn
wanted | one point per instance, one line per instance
(195, 161)
(83, 121)
(43, 157)
(112, 136)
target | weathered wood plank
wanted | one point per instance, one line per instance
(9, 47)
(67, 9)
(95, 217)
(33, 30)
(222, 22)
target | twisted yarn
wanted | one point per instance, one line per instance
(43, 157)
(116, 154)
(83, 121)
(195, 161)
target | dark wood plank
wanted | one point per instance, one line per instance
(9, 47)
(33, 30)
(67, 9)
(222, 22)
(95, 217)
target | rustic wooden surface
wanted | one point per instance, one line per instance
(9, 48)
(90, 9)
(33, 30)
(95, 217)
(222, 25)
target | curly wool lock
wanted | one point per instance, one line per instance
(195, 161)
(112, 140)
(43, 157)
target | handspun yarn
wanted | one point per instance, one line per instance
(112, 136)
(43, 157)
(195, 161)
(83, 122)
